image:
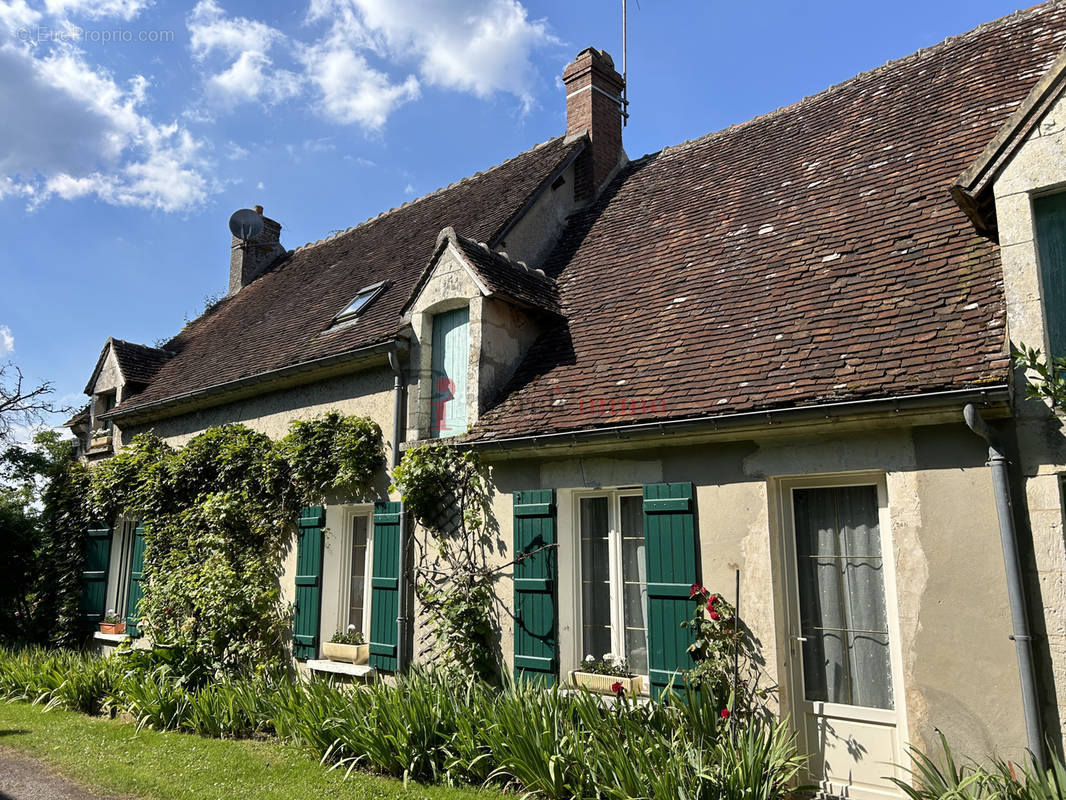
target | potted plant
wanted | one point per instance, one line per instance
(607, 675)
(347, 646)
(113, 623)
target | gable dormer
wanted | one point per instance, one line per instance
(122, 370)
(474, 313)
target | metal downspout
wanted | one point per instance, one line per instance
(398, 434)
(997, 461)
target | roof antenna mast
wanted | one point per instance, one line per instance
(625, 82)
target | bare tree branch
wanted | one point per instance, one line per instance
(20, 405)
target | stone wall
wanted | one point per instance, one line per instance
(1038, 167)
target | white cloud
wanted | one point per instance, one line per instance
(81, 133)
(245, 45)
(350, 90)
(97, 9)
(479, 46)
(409, 189)
(7, 341)
(234, 152)
(211, 31)
(15, 14)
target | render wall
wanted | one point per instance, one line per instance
(959, 668)
(1038, 167)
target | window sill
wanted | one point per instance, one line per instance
(111, 638)
(340, 668)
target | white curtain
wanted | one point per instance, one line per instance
(634, 584)
(842, 596)
(595, 577)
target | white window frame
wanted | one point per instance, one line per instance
(340, 543)
(572, 522)
(790, 662)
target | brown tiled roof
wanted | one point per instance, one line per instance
(139, 363)
(810, 255)
(280, 319)
(82, 417)
(511, 279)
(497, 273)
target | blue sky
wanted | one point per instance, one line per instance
(131, 129)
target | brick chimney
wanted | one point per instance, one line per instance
(594, 105)
(250, 259)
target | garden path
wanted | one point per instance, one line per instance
(25, 778)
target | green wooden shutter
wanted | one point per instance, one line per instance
(136, 577)
(306, 615)
(94, 576)
(670, 552)
(385, 585)
(536, 638)
(1050, 213)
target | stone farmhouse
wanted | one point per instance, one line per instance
(782, 348)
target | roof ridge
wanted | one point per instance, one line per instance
(521, 266)
(138, 344)
(434, 193)
(890, 64)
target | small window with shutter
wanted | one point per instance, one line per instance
(1050, 215)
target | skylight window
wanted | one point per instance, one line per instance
(365, 297)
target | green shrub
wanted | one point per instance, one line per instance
(972, 781)
(435, 727)
(56, 678)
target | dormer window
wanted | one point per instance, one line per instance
(105, 401)
(364, 298)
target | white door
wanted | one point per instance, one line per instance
(842, 652)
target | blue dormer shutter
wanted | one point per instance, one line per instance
(450, 360)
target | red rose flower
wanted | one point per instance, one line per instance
(616, 687)
(714, 615)
(725, 713)
(695, 590)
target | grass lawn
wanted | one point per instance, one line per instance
(114, 758)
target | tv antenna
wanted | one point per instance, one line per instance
(625, 76)
(246, 224)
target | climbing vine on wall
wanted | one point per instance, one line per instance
(218, 515)
(1045, 376)
(447, 491)
(65, 521)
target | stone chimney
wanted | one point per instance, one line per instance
(594, 105)
(250, 259)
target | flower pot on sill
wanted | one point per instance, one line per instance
(603, 683)
(113, 628)
(348, 653)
